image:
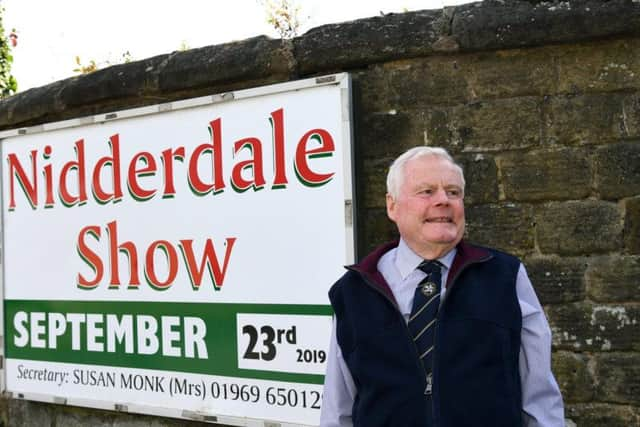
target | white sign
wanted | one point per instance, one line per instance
(178, 257)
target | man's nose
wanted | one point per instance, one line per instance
(441, 196)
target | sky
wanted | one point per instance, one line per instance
(52, 33)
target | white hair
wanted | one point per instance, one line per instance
(395, 177)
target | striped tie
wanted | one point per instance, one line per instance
(423, 314)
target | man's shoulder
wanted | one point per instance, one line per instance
(345, 289)
(348, 277)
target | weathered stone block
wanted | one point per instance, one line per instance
(80, 417)
(370, 89)
(631, 115)
(557, 280)
(438, 132)
(507, 226)
(388, 134)
(374, 183)
(588, 327)
(73, 416)
(522, 73)
(24, 413)
(632, 225)
(370, 40)
(602, 415)
(423, 83)
(617, 170)
(258, 59)
(546, 175)
(414, 84)
(531, 23)
(128, 80)
(374, 229)
(614, 279)
(584, 119)
(602, 66)
(618, 378)
(578, 227)
(574, 376)
(481, 178)
(487, 125)
(33, 106)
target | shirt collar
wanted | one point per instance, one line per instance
(407, 260)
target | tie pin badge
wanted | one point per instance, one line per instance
(428, 289)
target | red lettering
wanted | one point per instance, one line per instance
(129, 249)
(277, 131)
(172, 262)
(113, 161)
(204, 173)
(48, 178)
(326, 148)
(90, 257)
(30, 188)
(215, 150)
(253, 166)
(209, 261)
(149, 169)
(78, 166)
(167, 163)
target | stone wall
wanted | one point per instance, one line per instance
(539, 101)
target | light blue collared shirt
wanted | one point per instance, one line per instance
(541, 399)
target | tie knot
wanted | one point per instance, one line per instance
(430, 266)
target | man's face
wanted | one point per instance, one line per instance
(429, 210)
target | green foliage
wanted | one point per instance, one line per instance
(81, 68)
(92, 65)
(283, 16)
(8, 83)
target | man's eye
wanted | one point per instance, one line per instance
(454, 193)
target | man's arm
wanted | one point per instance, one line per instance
(339, 388)
(541, 399)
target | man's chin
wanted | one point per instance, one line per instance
(443, 239)
(441, 233)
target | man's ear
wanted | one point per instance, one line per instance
(391, 207)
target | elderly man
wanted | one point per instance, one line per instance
(432, 331)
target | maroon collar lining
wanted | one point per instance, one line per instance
(369, 268)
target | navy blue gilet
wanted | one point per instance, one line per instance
(476, 379)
